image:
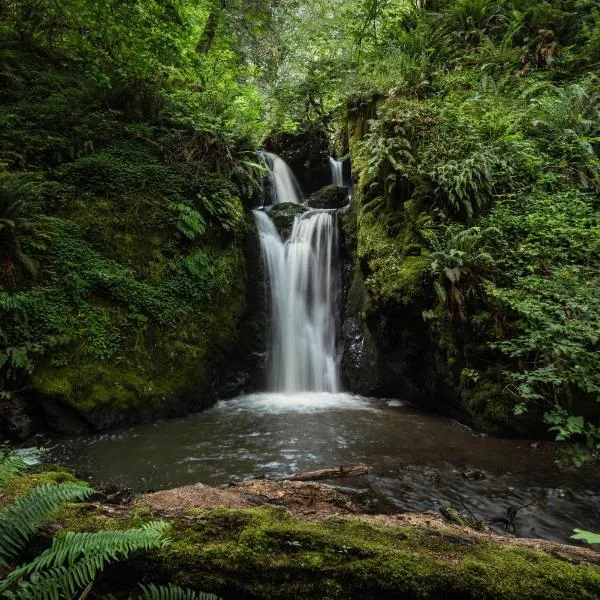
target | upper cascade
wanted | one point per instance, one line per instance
(284, 186)
(337, 171)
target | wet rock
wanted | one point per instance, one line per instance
(331, 196)
(473, 475)
(283, 216)
(15, 421)
(235, 384)
(359, 361)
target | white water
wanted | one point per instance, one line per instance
(337, 171)
(303, 283)
(273, 403)
(284, 185)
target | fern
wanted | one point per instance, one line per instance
(20, 520)
(11, 464)
(190, 222)
(172, 592)
(74, 560)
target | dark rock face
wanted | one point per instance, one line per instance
(359, 351)
(359, 358)
(331, 196)
(307, 154)
(15, 421)
(383, 347)
(283, 216)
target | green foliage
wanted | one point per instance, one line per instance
(458, 264)
(21, 519)
(11, 464)
(14, 193)
(586, 536)
(129, 160)
(74, 558)
(155, 592)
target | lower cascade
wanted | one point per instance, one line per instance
(304, 283)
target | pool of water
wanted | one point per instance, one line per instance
(417, 461)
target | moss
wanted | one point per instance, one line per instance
(17, 487)
(490, 408)
(396, 271)
(167, 371)
(331, 196)
(283, 216)
(264, 553)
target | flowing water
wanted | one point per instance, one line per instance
(337, 171)
(417, 462)
(304, 282)
(284, 186)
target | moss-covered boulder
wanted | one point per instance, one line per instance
(283, 216)
(331, 196)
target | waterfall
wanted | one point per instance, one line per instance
(304, 281)
(284, 186)
(337, 171)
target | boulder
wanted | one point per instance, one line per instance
(283, 216)
(15, 420)
(331, 196)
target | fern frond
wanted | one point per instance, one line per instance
(172, 592)
(11, 464)
(21, 519)
(74, 560)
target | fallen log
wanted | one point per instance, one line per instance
(328, 473)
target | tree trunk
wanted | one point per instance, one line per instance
(210, 29)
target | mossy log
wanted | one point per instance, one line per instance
(268, 553)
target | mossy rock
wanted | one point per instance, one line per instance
(331, 197)
(264, 553)
(283, 216)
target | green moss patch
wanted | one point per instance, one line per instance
(265, 553)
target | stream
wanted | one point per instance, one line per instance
(417, 461)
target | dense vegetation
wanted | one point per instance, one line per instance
(127, 145)
(127, 148)
(474, 127)
(128, 139)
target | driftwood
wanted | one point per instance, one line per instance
(340, 471)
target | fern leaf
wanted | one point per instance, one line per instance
(172, 592)
(11, 464)
(22, 518)
(75, 558)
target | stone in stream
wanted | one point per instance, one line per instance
(473, 475)
(331, 196)
(283, 215)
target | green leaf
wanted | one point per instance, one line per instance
(586, 536)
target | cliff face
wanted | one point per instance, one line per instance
(396, 340)
(127, 290)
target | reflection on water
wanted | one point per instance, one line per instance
(417, 461)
